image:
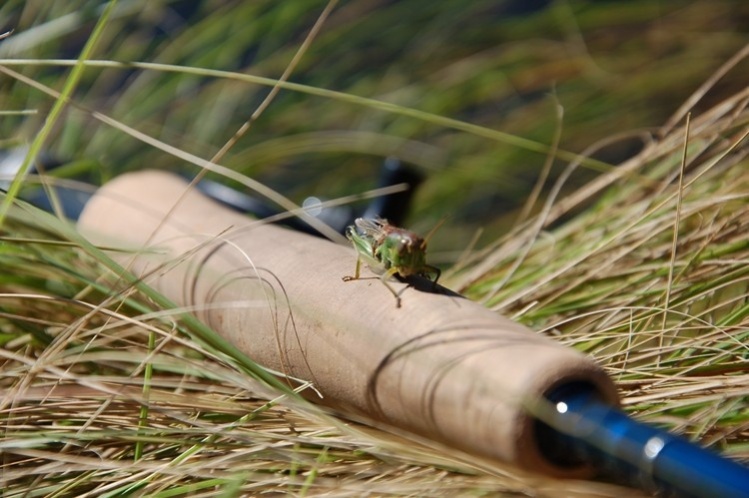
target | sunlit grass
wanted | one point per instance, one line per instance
(110, 390)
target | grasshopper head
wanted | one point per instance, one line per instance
(404, 251)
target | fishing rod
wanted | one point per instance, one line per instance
(586, 429)
(440, 366)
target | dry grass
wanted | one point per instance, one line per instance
(109, 391)
(117, 400)
(651, 279)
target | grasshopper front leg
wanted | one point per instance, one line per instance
(348, 278)
(383, 278)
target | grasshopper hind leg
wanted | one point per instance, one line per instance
(436, 272)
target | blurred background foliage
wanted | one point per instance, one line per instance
(612, 67)
(673, 334)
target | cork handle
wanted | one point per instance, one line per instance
(440, 366)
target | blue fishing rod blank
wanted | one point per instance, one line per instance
(587, 430)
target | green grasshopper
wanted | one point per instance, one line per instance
(389, 249)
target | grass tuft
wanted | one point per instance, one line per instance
(633, 250)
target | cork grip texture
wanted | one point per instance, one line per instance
(440, 366)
